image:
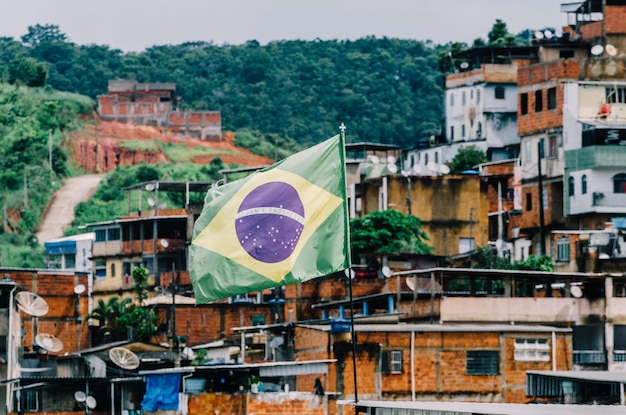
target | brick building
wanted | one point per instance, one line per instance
(155, 104)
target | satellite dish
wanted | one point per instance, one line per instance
(538, 35)
(597, 50)
(164, 243)
(374, 159)
(611, 50)
(150, 187)
(124, 358)
(151, 201)
(444, 169)
(79, 289)
(392, 168)
(410, 282)
(464, 65)
(604, 255)
(91, 402)
(162, 206)
(349, 273)
(391, 160)
(386, 271)
(49, 342)
(80, 396)
(31, 303)
(548, 34)
(576, 291)
(277, 342)
(417, 170)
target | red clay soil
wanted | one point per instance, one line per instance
(96, 148)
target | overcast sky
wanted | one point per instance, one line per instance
(134, 25)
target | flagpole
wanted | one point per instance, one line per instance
(350, 275)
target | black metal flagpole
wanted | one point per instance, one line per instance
(350, 274)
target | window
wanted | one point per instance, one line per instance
(463, 131)
(113, 234)
(562, 249)
(499, 92)
(482, 362)
(619, 183)
(529, 201)
(451, 99)
(463, 98)
(541, 148)
(70, 261)
(101, 269)
(583, 184)
(552, 98)
(532, 350)
(553, 146)
(391, 362)
(437, 158)
(528, 154)
(538, 101)
(113, 271)
(466, 245)
(523, 103)
(616, 95)
(566, 54)
(478, 96)
(570, 186)
(31, 400)
(452, 133)
(425, 159)
(101, 235)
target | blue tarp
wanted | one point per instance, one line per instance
(161, 392)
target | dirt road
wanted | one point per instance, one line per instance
(60, 213)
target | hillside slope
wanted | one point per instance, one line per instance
(103, 146)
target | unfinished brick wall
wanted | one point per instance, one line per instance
(258, 404)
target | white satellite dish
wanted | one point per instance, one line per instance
(91, 402)
(124, 358)
(386, 271)
(150, 187)
(611, 50)
(417, 170)
(410, 282)
(31, 303)
(151, 201)
(79, 289)
(349, 273)
(548, 34)
(392, 168)
(444, 169)
(80, 396)
(49, 342)
(597, 50)
(162, 206)
(391, 160)
(432, 166)
(164, 243)
(374, 159)
(464, 65)
(576, 291)
(538, 35)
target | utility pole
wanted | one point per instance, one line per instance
(50, 149)
(542, 235)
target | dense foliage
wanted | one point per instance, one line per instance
(467, 159)
(384, 90)
(487, 258)
(388, 231)
(33, 162)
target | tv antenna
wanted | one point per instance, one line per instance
(31, 303)
(124, 358)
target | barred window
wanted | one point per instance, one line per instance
(482, 362)
(616, 95)
(563, 249)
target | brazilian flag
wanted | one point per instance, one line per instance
(282, 225)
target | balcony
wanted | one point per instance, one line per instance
(596, 156)
(589, 357)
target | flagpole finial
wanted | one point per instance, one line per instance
(342, 128)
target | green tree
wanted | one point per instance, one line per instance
(27, 71)
(499, 35)
(388, 231)
(138, 322)
(43, 33)
(466, 159)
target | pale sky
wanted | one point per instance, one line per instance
(134, 25)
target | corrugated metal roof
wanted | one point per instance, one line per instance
(407, 328)
(265, 369)
(586, 375)
(462, 408)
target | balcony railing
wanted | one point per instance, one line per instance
(589, 357)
